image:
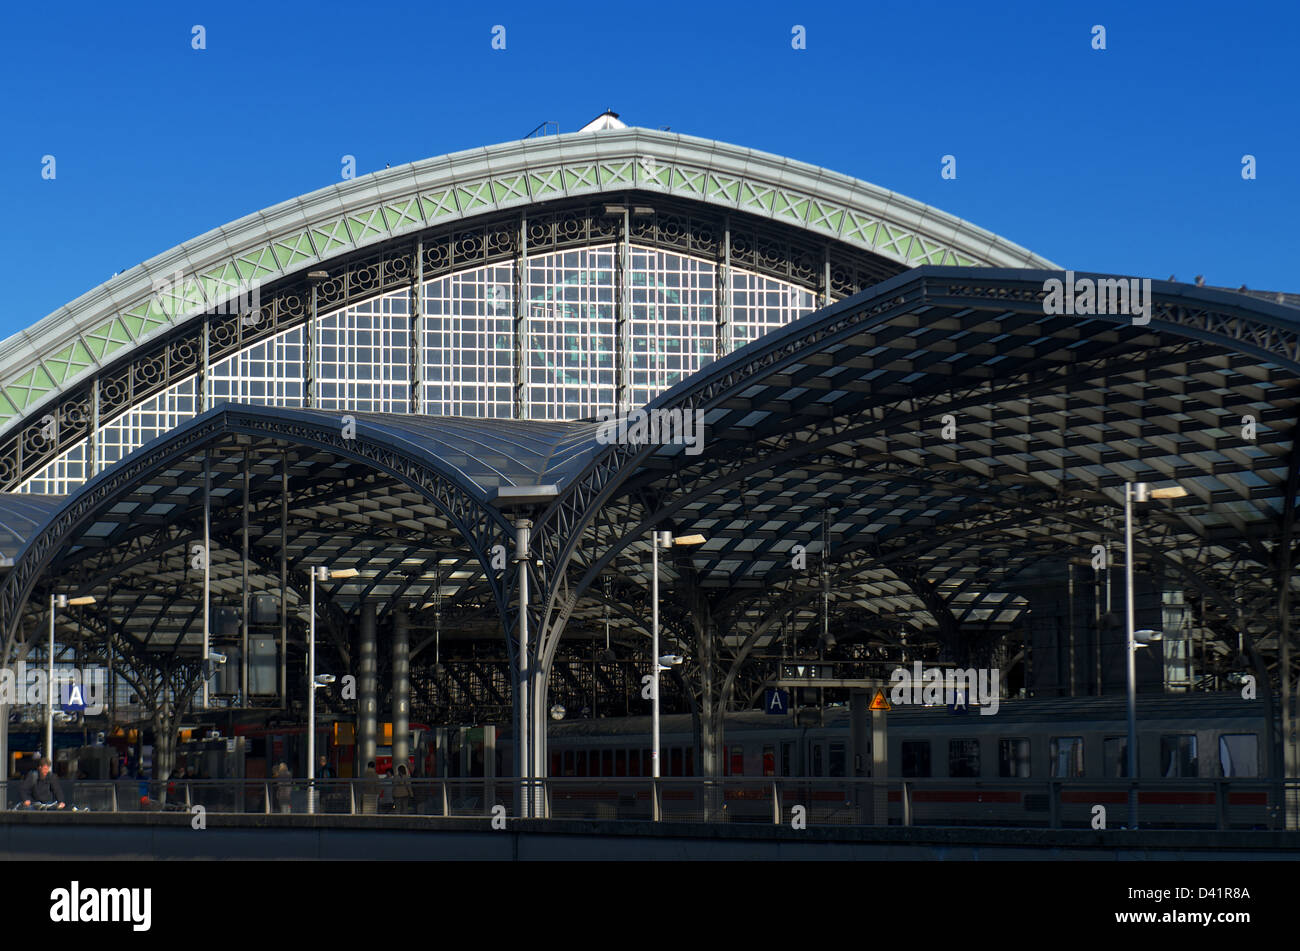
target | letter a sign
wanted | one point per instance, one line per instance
(777, 702)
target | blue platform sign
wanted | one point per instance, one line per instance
(776, 701)
(73, 698)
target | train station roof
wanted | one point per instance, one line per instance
(908, 452)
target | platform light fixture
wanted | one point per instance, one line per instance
(318, 573)
(660, 539)
(56, 601)
(1136, 492)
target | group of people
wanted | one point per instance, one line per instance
(402, 789)
(42, 789)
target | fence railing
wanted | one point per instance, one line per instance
(801, 802)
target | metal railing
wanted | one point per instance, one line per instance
(800, 802)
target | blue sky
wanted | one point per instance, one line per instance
(1124, 160)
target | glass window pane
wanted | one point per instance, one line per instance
(1178, 755)
(964, 758)
(1067, 757)
(1115, 756)
(1239, 754)
(916, 759)
(1013, 758)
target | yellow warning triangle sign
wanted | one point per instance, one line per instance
(878, 702)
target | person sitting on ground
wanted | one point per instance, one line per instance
(42, 786)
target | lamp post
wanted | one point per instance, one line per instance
(318, 573)
(1135, 492)
(666, 540)
(56, 601)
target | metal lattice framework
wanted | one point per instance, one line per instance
(175, 315)
(841, 412)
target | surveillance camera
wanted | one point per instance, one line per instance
(216, 658)
(669, 660)
(324, 680)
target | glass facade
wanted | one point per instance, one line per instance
(467, 352)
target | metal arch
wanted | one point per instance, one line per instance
(473, 519)
(1272, 334)
(176, 355)
(360, 214)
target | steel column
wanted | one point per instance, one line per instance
(416, 324)
(1131, 659)
(367, 688)
(521, 323)
(401, 687)
(202, 382)
(722, 292)
(284, 579)
(49, 694)
(207, 573)
(623, 320)
(311, 692)
(523, 710)
(243, 591)
(92, 440)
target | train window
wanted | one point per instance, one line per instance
(964, 758)
(1067, 757)
(769, 760)
(1114, 754)
(916, 759)
(690, 761)
(568, 763)
(817, 759)
(675, 761)
(787, 759)
(607, 762)
(557, 764)
(737, 761)
(1013, 757)
(620, 762)
(645, 763)
(837, 759)
(1239, 754)
(581, 757)
(1178, 755)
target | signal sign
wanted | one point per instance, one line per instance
(878, 702)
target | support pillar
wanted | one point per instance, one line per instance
(367, 701)
(859, 735)
(401, 687)
(524, 713)
(879, 769)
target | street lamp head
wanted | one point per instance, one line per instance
(1169, 492)
(689, 540)
(324, 680)
(1144, 637)
(325, 573)
(84, 599)
(669, 661)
